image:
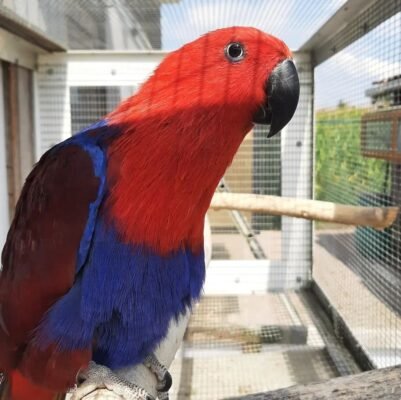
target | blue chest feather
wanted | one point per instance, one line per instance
(124, 296)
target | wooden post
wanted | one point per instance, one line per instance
(376, 217)
(4, 206)
(381, 384)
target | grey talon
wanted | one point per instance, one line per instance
(166, 383)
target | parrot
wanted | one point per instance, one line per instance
(105, 248)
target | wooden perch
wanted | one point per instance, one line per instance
(380, 384)
(375, 217)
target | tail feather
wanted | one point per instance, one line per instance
(17, 387)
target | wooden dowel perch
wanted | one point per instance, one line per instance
(375, 217)
(381, 384)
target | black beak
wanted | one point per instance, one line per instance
(282, 90)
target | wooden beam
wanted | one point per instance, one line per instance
(15, 24)
(375, 217)
(14, 161)
(381, 384)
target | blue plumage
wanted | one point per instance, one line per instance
(124, 295)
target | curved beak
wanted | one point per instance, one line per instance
(282, 95)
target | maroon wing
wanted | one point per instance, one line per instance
(39, 257)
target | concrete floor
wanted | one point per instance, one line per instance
(237, 345)
(364, 290)
(348, 284)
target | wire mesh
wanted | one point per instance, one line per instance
(233, 341)
(228, 347)
(167, 24)
(229, 350)
(358, 128)
(251, 171)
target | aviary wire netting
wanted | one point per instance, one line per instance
(167, 24)
(358, 144)
(259, 326)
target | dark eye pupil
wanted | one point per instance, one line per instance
(235, 51)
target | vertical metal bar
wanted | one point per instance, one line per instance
(297, 169)
(243, 227)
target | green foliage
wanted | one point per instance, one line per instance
(342, 173)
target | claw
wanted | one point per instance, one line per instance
(166, 383)
(164, 379)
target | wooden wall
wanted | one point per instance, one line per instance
(19, 127)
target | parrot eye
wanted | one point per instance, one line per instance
(235, 52)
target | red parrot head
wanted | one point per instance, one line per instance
(183, 127)
(237, 75)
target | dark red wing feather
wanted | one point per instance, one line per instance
(39, 257)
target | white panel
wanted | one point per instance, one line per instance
(53, 107)
(296, 180)
(230, 277)
(58, 72)
(4, 216)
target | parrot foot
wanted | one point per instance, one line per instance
(99, 377)
(163, 377)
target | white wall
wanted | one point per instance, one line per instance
(58, 72)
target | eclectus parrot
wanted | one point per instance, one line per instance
(106, 246)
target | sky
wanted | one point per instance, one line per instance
(344, 77)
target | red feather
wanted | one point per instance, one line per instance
(21, 388)
(181, 133)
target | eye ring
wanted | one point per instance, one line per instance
(234, 51)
